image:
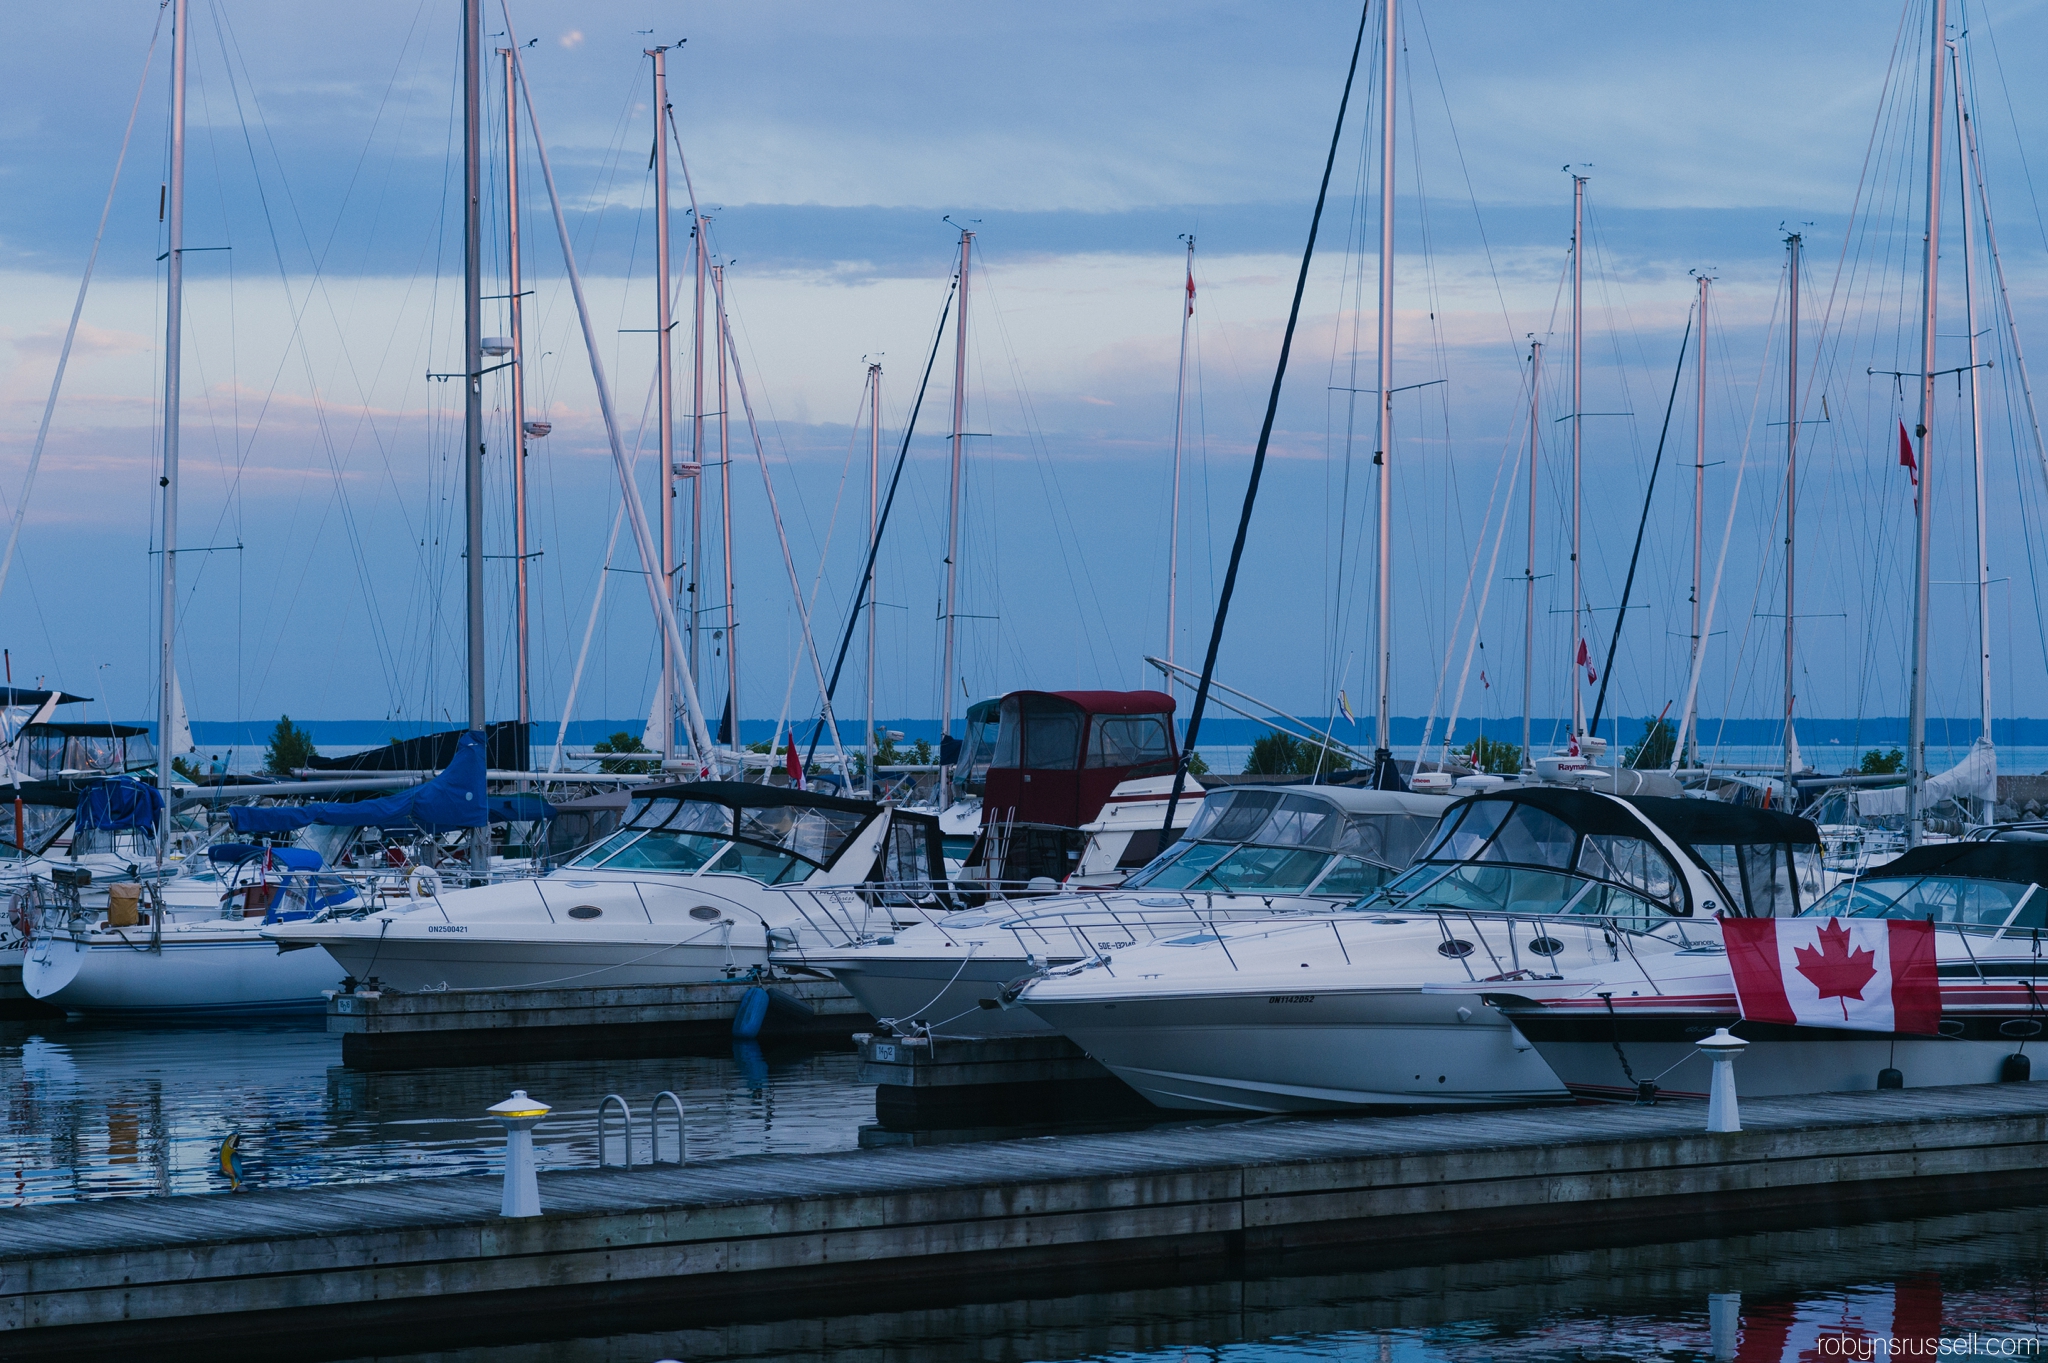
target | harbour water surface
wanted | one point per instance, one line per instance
(137, 1108)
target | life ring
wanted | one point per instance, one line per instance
(423, 883)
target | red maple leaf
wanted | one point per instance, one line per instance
(1835, 970)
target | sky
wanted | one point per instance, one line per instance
(837, 151)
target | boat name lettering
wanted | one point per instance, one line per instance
(446, 927)
(1292, 998)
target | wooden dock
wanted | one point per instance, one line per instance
(756, 1236)
(387, 1030)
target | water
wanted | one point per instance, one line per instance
(1903, 1289)
(112, 1110)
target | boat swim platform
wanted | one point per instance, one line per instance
(383, 1029)
(794, 1236)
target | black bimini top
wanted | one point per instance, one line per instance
(1714, 822)
(1586, 811)
(746, 795)
(2023, 863)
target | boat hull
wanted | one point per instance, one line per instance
(194, 973)
(940, 994)
(478, 960)
(1309, 1052)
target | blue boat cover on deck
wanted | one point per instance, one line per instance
(457, 798)
(121, 802)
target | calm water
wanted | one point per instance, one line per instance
(111, 1110)
(1906, 1289)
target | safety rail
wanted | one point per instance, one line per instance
(654, 1159)
(625, 1137)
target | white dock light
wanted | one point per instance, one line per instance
(519, 1115)
(1721, 1048)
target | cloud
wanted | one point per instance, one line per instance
(571, 40)
(91, 340)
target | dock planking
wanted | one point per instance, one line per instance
(920, 1223)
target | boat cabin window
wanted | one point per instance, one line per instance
(1505, 856)
(1039, 733)
(1761, 879)
(984, 724)
(1944, 899)
(1129, 741)
(1267, 841)
(774, 845)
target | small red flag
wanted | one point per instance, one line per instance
(794, 767)
(1906, 459)
(1191, 291)
(1586, 661)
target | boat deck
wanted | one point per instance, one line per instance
(785, 1232)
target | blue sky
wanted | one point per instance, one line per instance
(1079, 141)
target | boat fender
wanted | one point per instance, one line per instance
(784, 1004)
(1889, 1078)
(423, 883)
(752, 1012)
(2015, 1069)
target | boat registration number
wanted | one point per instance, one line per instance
(1292, 998)
(445, 927)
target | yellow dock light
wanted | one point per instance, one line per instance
(519, 1114)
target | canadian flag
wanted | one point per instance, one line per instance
(1586, 661)
(794, 766)
(1859, 974)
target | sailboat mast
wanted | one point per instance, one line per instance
(1578, 409)
(1383, 641)
(874, 530)
(1792, 245)
(664, 351)
(472, 378)
(512, 297)
(1976, 412)
(1180, 409)
(1923, 544)
(174, 338)
(953, 511)
(1699, 498)
(732, 632)
(1529, 565)
(691, 571)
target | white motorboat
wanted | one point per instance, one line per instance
(1610, 1029)
(1252, 852)
(1328, 1009)
(689, 889)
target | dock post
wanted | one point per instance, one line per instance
(519, 1115)
(1721, 1048)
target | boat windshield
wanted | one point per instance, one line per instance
(774, 844)
(1267, 841)
(1505, 856)
(1959, 900)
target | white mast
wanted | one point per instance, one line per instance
(874, 525)
(1383, 642)
(953, 512)
(472, 379)
(1578, 421)
(512, 295)
(1180, 408)
(692, 573)
(1792, 244)
(1916, 713)
(1976, 424)
(1529, 568)
(1699, 500)
(174, 341)
(664, 351)
(732, 633)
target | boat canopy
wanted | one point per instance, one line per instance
(456, 798)
(121, 802)
(1059, 754)
(2023, 863)
(1323, 840)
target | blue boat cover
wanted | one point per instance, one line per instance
(121, 802)
(457, 798)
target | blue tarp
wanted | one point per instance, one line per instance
(457, 798)
(121, 802)
(520, 808)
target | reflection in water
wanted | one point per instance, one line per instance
(1891, 1290)
(104, 1110)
